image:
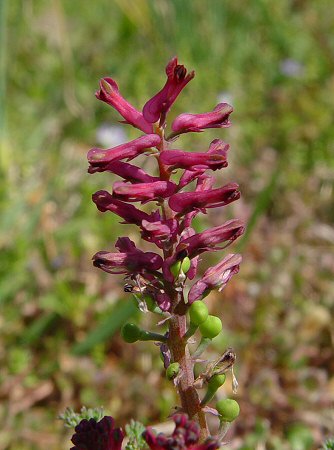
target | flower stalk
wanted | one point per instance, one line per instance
(162, 275)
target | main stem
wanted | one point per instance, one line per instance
(185, 382)
(177, 343)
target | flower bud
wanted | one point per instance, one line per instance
(186, 263)
(211, 327)
(176, 268)
(198, 313)
(130, 332)
(180, 268)
(172, 370)
(228, 409)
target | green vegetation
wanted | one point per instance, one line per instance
(273, 61)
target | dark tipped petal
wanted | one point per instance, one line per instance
(109, 93)
(159, 105)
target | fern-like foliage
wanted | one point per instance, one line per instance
(72, 419)
(134, 431)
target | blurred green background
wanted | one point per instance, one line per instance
(59, 343)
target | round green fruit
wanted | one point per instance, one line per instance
(228, 409)
(130, 332)
(198, 312)
(211, 327)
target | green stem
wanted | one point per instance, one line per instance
(149, 336)
(202, 346)
(191, 330)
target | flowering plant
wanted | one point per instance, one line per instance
(159, 279)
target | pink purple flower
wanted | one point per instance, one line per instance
(218, 118)
(109, 93)
(127, 171)
(106, 202)
(129, 260)
(184, 202)
(215, 277)
(98, 157)
(178, 159)
(143, 191)
(159, 105)
(185, 436)
(211, 238)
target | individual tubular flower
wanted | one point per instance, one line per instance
(102, 435)
(109, 93)
(218, 118)
(215, 277)
(159, 105)
(127, 171)
(209, 239)
(129, 260)
(188, 176)
(106, 202)
(184, 202)
(98, 157)
(143, 191)
(177, 159)
(204, 183)
(185, 436)
(217, 146)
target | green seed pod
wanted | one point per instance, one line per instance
(172, 370)
(216, 382)
(228, 409)
(185, 266)
(130, 332)
(198, 312)
(175, 269)
(211, 327)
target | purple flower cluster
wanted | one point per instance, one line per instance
(102, 435)
(185, 436)
(168, 224)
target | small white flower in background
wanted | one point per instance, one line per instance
(291, 68)
(110, 135)
(225, 97)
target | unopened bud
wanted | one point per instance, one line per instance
(181, 267)
(186, 263)
(175, 269)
